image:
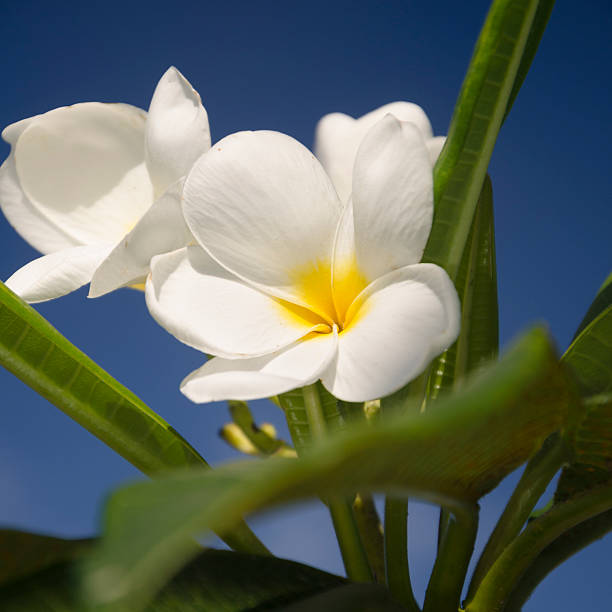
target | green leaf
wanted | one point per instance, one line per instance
(215, 581)
(292, 402)
(487, 90)
(536, 32)
(591, 467)
(476, 283)
(602, 300)
(22, 553)
(589, 356)
(34, 351)
(451, 456)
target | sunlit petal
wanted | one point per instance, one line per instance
(162, 229)
(392, 197)
(244, 379)
(338, 137)
(57, 274)
(82, 168)
(396, 327)
(206, 307)
(177, 130)
(263, 207)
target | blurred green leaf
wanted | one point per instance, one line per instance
(34, 351)
(22, 553)
(451, 456)
(215, 581)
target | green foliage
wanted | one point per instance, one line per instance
(492, 76)
(33, 350)
(23, 553)
(589, 356)
(452, 455)
(215, 581)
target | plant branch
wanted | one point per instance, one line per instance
(498, 584)
(536, 477)
(351, 547)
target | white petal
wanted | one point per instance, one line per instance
(263, 207)
(392, 197)
(245, 379)
(206, 307)
(338, 137)
(82, 169)
(177, 129)
(434, 146)
(162, 229)
(57, 274)
(34, 227)
(396, 327)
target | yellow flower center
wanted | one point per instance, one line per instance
(328, 302)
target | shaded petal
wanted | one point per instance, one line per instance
(207, 307)
(177, 130)
(82, 168)
(25, 218)
(162, 229)
(338, 136)
(392, 197)
(434, 146)
(57, 274)
(245, 379)
(396, 327)
(262, 206)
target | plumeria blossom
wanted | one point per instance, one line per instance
(96, 188)
(338, 136)
(288, 286)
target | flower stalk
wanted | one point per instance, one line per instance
(352, 550)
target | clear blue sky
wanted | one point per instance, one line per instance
(281, 66)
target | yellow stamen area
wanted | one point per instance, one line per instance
(326, 305)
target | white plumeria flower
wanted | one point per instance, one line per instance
(338, 136)
(290, 286)
(96, 187)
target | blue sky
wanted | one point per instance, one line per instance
(281, 66)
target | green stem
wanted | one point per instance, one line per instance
(351, 547)
(555, 554)
(498, 584)
(370, 529)
(448, 575)
(536, 477)
(396, 552)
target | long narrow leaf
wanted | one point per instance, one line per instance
(452, 456)
(479, 112)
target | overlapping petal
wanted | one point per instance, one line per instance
(295, 366)
(263, 207)
(338, 137)
(392, 198)
(395, 327)
(207, 307)
(82, 170)
(52, 276)
(162, 229)
(177, 130)
(39, 231)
